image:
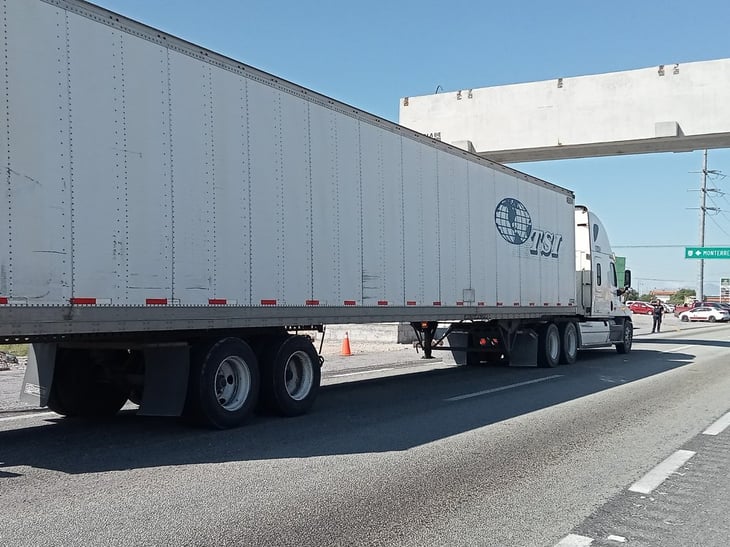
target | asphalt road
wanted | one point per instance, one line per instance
(441, 455)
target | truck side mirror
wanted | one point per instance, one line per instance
(627, 278)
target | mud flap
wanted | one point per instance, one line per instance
(38, 377)
(523, 352)
(165, 380)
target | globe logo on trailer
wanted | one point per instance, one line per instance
(513, 221)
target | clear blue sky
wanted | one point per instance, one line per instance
(369, 54)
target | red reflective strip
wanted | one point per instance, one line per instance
(437, 303)
(312, 302)
(86, 301)
(217, 301)
(500, 304)
(3, 299)
(411, 303)
(382, 302)
(532, 303)
(459, 303)
(559, 304)
(515, 303)
(350, 303)
(545, 304)
(480, 304)
(156, 301)
(268, 302)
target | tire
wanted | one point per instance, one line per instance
(82, 386)
(290, 376)
(684, 319)
(224, 384)
(712, 319)
(548, 346)
(627, 338)
(569, 343)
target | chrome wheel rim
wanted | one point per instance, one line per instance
(232, 383)
(299, 375)
(553, 344)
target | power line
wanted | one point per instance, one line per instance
(647, 246)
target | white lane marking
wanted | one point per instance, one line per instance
(719, 426)
(574, 540)
(27, 416)
(361, 372)
(660, 473)
(678, 349)
(620, 539)
(496, 389)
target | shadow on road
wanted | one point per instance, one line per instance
(381, 415)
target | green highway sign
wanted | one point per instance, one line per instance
(707, 252)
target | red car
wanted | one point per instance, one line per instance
(641, 308)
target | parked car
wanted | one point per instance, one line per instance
(668, 308)
(641, 308)
(705, 313)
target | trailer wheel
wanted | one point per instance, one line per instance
(224, 383)
(290, 376)
(548, 346)
(569, 346)
(82, 386)
(627, 338)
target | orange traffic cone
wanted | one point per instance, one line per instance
(346, 346)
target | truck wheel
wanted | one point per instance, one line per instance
(290, 376)
(548, 346)
(224, 383)
(627, 338)
(569, 346)
(82, 386)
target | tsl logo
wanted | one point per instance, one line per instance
(514, 224)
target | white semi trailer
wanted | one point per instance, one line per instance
(174, 218)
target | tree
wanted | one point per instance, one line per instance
(680, 296)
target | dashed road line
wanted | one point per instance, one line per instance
(660, 473)
(503, 388)
(680, 348)
(719, 426)
(574, 540)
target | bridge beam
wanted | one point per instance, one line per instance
(669, 108)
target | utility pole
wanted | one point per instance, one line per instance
(703, 205)
(703, 212)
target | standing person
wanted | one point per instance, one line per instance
(657, 316)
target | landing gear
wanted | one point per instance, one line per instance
(425, 331)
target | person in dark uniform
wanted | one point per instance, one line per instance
(657, 316)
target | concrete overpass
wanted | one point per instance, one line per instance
(666, 108)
